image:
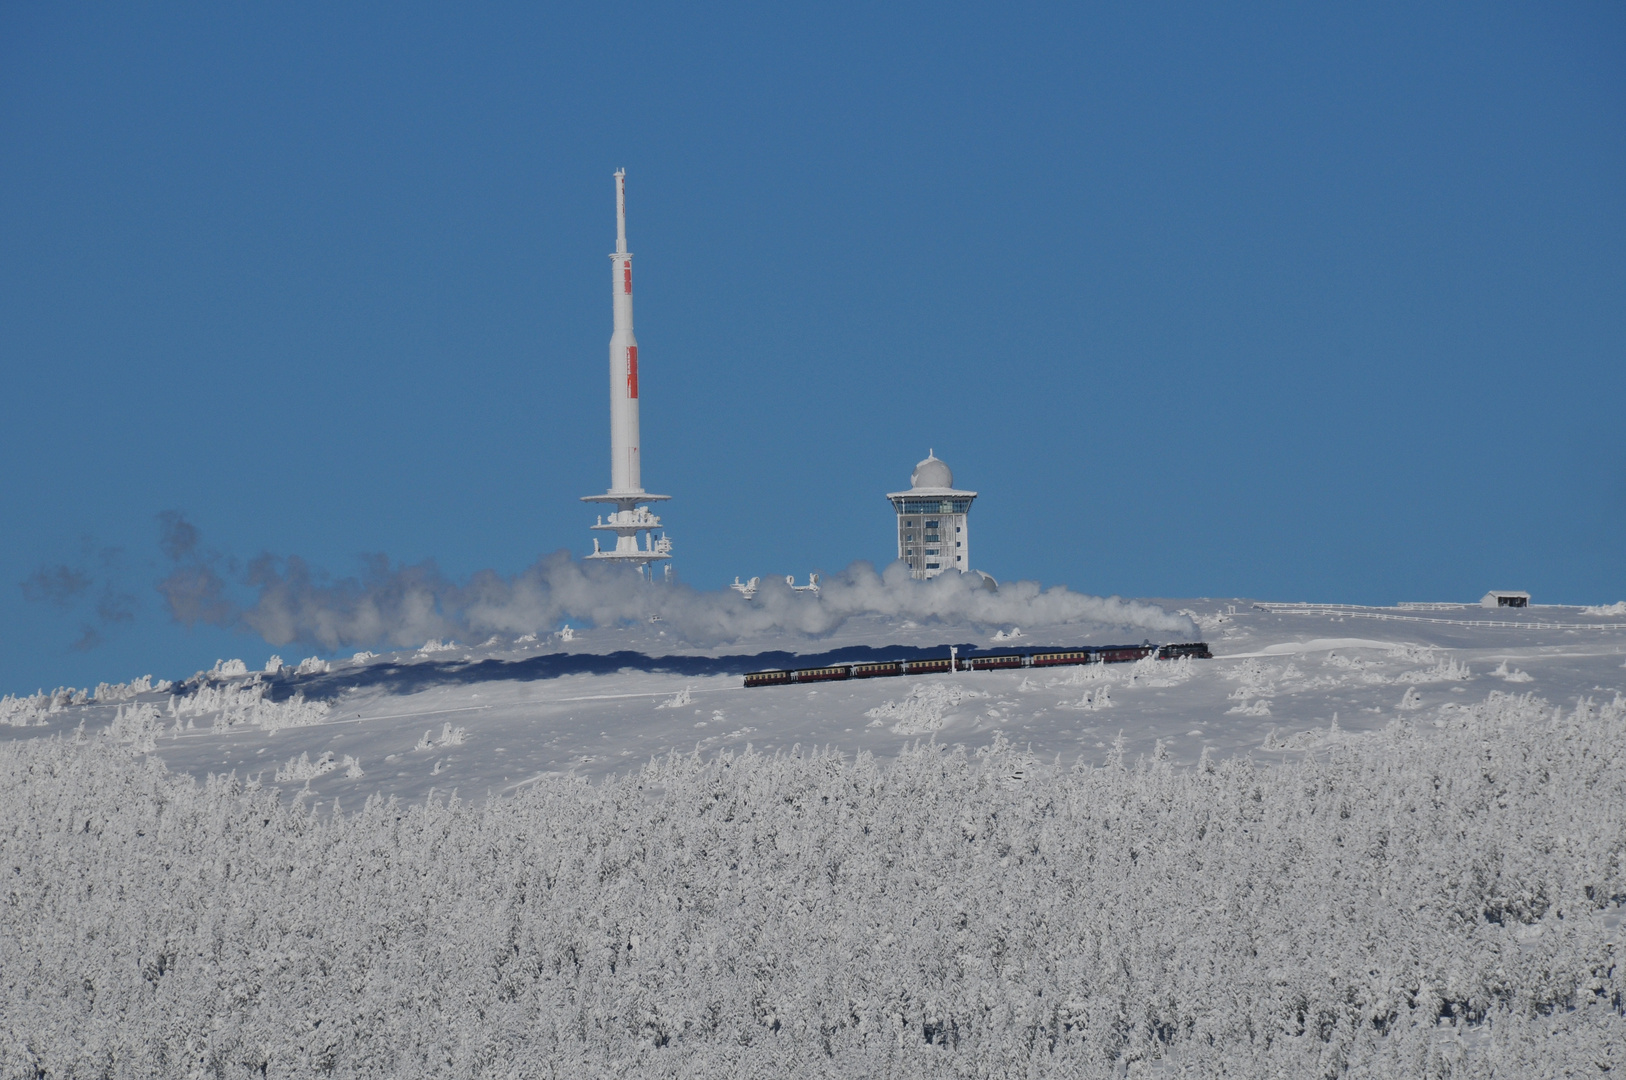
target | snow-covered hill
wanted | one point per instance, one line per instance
(1357, 843)
(486, 719)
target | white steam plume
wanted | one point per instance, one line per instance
(405, 606)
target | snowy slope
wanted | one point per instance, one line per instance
(1432, 886)
(488, 719)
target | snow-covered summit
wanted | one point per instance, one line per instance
(596, 701)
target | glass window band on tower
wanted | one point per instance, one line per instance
(918, 505)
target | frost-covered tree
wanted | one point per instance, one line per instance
(1406, 905)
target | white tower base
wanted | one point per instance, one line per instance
(627, 520)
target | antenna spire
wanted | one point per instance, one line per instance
(621, 211)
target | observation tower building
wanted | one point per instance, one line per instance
(631, 515)
(934, 533)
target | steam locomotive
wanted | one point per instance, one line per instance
(1001, 661)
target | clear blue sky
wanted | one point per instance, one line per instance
(1286, 301)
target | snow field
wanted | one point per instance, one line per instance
(737, 951)
(1279, 681)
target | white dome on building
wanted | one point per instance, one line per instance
(931, 473)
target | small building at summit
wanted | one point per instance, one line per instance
(934, 532)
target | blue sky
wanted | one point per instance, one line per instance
(1274, 301)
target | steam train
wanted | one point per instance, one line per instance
(1088, 654)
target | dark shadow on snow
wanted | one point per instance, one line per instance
(427, 674)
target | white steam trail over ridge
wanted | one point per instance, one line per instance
(407, 605)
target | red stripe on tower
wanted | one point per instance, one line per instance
(632, 371)
(626, 281)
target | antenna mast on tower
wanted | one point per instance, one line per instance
(631, 515)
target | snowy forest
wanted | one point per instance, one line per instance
(1425, 901)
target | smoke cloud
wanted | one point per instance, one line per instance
(404, 606)
(68, 586)
(60, 585)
